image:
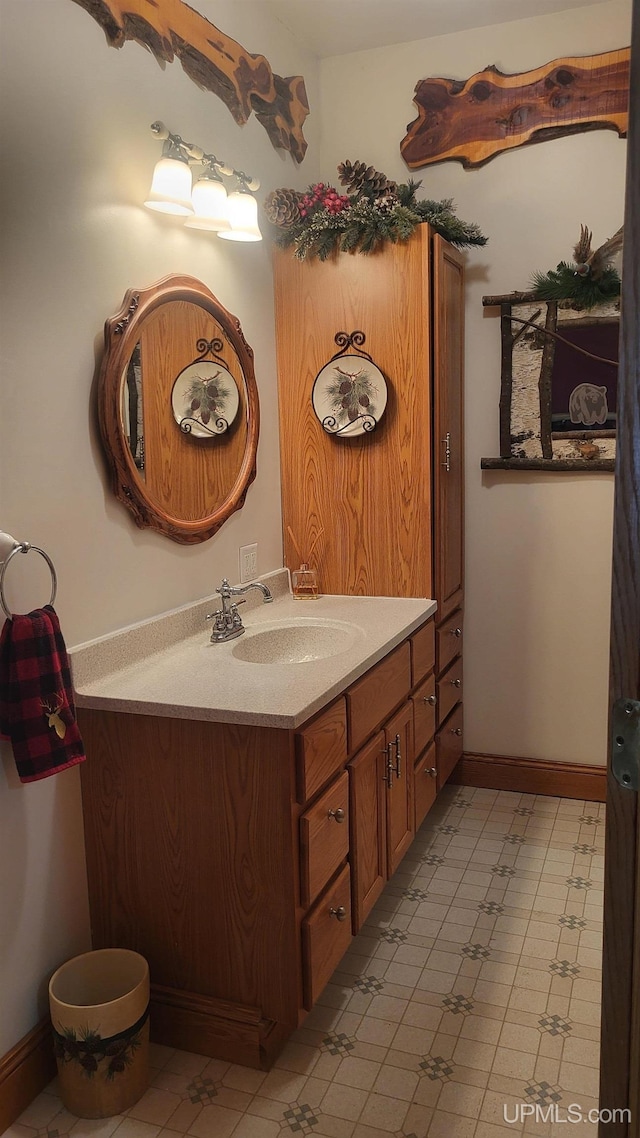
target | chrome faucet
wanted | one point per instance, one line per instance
(227, 622)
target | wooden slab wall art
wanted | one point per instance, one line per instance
(473, 120)
(213, 60)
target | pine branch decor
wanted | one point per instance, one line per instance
(374, 210)
(564, 283)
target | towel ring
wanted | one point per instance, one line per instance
(24, 547)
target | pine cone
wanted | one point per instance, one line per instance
(386, 203)
(362, 179)
(282, 207)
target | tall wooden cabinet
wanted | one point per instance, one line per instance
(388, 504)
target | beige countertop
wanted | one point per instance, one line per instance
(167, 665)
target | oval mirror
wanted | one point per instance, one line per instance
(178, 409)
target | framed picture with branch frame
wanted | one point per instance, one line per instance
(558, 395)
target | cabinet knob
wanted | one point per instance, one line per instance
(338, 815)
(456, 683)
(456, 730)
(340, 913)
(431, 771)
(430, 699)
(456, 632)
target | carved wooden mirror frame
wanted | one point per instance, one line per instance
(122, 334)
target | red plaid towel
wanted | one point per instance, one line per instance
(37, 710)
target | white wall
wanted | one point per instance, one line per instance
(538, 545)
(78, 156)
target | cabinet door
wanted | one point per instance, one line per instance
(337, 486)
(367, 808)
(400, 817)
(448, 441)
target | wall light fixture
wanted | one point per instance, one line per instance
(204, 203)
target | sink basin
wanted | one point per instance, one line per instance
(296, 642)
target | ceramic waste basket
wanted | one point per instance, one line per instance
(99, 1006)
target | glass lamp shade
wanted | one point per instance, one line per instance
(242, 211)
(171, 188)
(209, 199)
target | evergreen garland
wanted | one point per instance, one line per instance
(375, 212)
(566, 283)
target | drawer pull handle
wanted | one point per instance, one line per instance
(396, 744)
(431, 771)
(430, 699)
(456, 730)
(340, 913)
(456, 683)
(456, 632)
(338, 814)
(447, 451)
(388, 777)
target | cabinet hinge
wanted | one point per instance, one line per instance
(625, 743)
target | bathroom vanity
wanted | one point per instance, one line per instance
(242, 814)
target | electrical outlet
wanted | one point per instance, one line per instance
(248, 563)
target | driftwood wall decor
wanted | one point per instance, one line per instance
(473, 120)
(558, 394)
(214, 61)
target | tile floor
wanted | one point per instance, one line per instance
(473, 988)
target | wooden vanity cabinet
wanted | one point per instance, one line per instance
(388, 504)
(240, 860)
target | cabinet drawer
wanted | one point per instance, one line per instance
(424, 702)
(449, 689)
(321, 749)
(423, 652)
(324, 838)
(374, 697)
(449, 745)
(425, 784)
(449, 640)
(326, 936)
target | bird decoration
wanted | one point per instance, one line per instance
(593, 263)
(589, 279)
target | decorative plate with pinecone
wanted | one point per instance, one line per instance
(349, 396)
(204, 399)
